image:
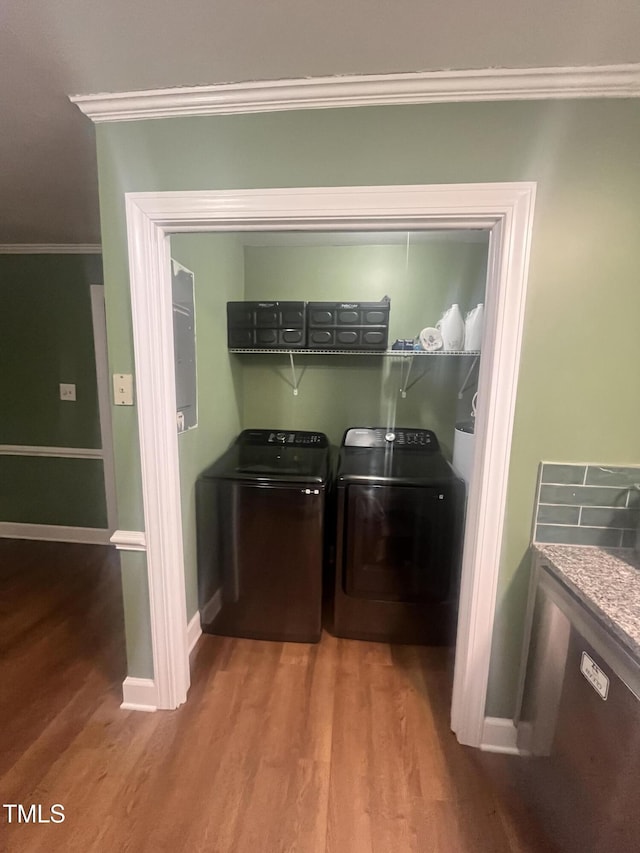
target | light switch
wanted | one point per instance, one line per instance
(123, 389)
(67, 391)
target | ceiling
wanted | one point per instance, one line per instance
(50, 49)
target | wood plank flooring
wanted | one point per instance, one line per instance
(339, 747)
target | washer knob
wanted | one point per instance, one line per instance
(390, 436)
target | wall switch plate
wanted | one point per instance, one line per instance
(67, 391)
(123, 389)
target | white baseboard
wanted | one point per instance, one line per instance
(194, 631)
(499, 734)
(212, 607)
(525, 738)
(54, 533)
(139, 694)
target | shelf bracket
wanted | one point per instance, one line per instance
(405, 385)
(404, 380)
(295, 381)
(465, 384)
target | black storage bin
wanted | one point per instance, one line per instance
(348, 325)
(266, 325)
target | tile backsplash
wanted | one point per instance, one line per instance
(587, 504)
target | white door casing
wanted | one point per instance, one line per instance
(104, 402)
(505, 210)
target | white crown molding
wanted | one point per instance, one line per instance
(50, 249)
(424, 87)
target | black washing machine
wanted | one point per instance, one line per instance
(260, 512)
(400, 510)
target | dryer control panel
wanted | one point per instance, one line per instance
(400, 438)
(285, 438)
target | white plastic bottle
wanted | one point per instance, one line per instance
(473, 328)
(451, 327)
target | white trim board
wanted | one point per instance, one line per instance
(505, 211)
(139, 694)
(54, 533)
(423, 87)
(99, 324)
(53, 452)
(50, 249)
(129, 540)
(500, 735)
(212, 607)
(194, 631)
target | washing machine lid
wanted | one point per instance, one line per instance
(274, 457)
(401, 456)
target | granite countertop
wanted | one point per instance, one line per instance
(607, 581)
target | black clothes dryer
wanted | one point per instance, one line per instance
(261, 536)
(400, 511)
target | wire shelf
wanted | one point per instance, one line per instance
(389, 353)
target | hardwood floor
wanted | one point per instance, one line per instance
(339, 747)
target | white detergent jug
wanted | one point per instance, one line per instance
(473, 328)
(464, 445)
(451, 327)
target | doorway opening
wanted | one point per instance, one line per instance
(325, 380)
(505, 211)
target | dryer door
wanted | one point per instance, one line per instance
(399, 543)
(267, 559)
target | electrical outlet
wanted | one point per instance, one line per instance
(123, 389)
(67, 391)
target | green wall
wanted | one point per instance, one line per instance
(216, 261)
(578, 396)
(340, 391)
(50, 490)
(137, 620)
(46, 336)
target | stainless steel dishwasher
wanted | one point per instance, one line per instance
(580, 724)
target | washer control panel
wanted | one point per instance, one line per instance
(399, 438)
(284, 438)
